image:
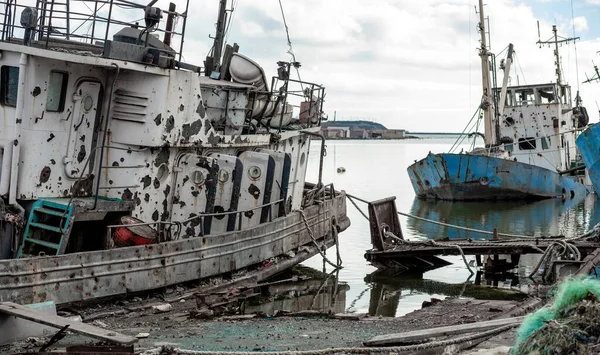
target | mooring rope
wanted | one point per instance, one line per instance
(546, 258)
(351, 350)
(312, 236)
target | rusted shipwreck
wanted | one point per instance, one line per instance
(126, 169)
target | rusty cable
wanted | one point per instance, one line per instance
(312, 236)
(594, 232)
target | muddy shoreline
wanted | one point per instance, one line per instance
(179, 327)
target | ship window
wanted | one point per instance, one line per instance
(9, 85)
(547, 95)
(526, 97)
(57, 92)
(510, 99)
(527, 143)
(509, 147)
(544, 143)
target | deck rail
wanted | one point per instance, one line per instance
(86, 25)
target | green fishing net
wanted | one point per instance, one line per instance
(571, 325)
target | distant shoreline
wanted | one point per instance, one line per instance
(370, 139)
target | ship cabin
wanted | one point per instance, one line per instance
(538, 125)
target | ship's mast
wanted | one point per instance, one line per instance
(487, 104)
(213, 62)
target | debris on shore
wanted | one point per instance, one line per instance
(571, 325)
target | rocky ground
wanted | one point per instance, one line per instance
(177, 327)
(301, 310)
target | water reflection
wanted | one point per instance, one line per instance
(387, 291)
(539, 218)
(320, 292)
(370, 175)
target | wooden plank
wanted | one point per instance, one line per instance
(441, 249)
(589, 263)
(59, 322)
(392, 339)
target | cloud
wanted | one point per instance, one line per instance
(580, 23)
(407, 64)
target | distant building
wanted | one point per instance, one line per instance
(359, 133)
(337, 132)
(389, 134)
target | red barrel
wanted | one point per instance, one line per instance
(127, 236)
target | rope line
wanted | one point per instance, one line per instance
(312, 236)
(595, 231)
(289, 42)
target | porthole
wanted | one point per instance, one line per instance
(162, 173)
(302, 159)
(223, 175)
(198, 177)
(254, 172)
(88, 103)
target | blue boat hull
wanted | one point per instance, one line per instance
(476, 177)
(588, 143)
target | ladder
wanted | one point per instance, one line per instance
(47, 230)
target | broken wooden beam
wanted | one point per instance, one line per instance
(474, 248)
(23, 312)
(424, 334)
(589, 263)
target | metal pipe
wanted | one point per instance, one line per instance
(319, 135)
(487, 104)
(187, 7)
(220, 36)
(508, 64)
(94, 22)
(7, 146)
(103, 142)
(568, 171)
(49, 23)
(169, 27)
(14, 178)
(108, 22)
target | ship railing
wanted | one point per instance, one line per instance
(164, 228)
(284, 90)
(84, 25)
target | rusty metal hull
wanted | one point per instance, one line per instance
(476, 177)
(588, 143)
(90, 275)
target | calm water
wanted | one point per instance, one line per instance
(377, 169)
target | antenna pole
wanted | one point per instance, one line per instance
(558, 76)
(220, 37)
(487, 103)
(556, 41)
(595, 77)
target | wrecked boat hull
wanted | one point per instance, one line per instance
(477, 177)
(588, 143)
(90, 275)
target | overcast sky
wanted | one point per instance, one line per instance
(405, 63)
